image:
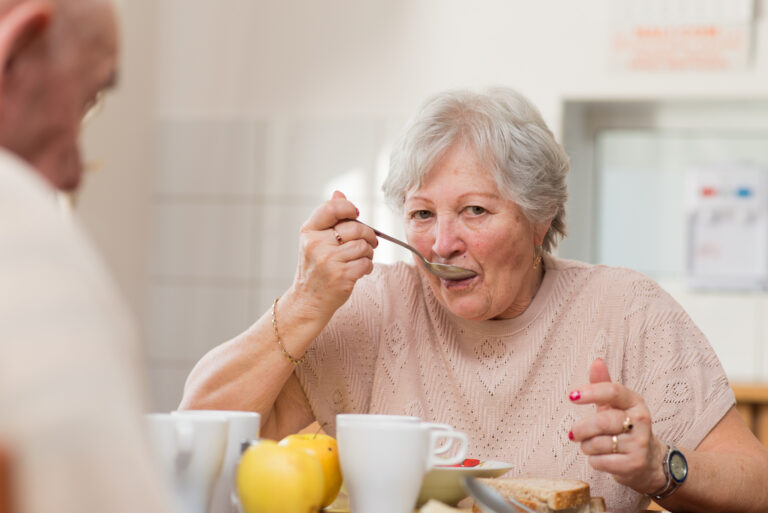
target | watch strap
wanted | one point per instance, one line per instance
(671, 485)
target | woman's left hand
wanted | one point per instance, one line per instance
(618, 438)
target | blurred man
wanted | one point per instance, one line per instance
(70, 405)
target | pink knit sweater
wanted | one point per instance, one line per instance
(392, 348)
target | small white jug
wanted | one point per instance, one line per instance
(190, 452)
(243, 427)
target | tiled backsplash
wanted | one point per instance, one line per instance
(230, 199)
(210, 159)
(209, 239)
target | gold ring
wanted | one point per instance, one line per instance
(337, 236)
(627, 426)
(615, 440)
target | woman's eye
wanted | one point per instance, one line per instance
(475, 210)
(421, 214)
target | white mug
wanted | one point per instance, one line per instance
(446, 442)
(384, 460)
(190, 452)
(243, 427)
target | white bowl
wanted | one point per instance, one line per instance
(444, 483)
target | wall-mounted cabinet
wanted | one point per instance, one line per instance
(629, 206)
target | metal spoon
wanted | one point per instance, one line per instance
(489, 499)
(445, 271)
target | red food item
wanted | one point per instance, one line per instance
(469, 462)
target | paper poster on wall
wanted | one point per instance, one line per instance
(671, 35)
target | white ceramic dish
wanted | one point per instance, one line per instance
(444, 483)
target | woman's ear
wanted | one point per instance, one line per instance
(19, 26)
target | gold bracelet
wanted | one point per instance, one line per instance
(295, 361)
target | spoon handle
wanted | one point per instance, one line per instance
(396, 241)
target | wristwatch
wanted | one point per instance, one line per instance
(675, 469)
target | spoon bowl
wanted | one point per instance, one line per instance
(448, 272)
(444, 271)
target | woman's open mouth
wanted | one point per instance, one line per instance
(459, 284)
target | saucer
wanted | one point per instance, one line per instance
(444, 483)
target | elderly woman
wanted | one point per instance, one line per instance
(558, 367)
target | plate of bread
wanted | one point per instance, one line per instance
(547, 495)
(540, 495)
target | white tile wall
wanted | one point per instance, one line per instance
(204, 254)
(187, 320)
(313, 154)
(210, 159)
(278, 223)
(203, 240)
(211, 58)
(264, 296)
(166, 383)
(231, 196)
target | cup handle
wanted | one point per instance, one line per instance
(185, 438)
(461, 452)
(447, 441)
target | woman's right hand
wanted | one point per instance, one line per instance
(334, 252)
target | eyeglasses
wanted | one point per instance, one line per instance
(93, 108)
(68, 200)
(90, 111)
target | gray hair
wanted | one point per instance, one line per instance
(507, 132)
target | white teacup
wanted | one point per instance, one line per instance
(190, 452)
(243, 426)
(446, 442)
(384, 460)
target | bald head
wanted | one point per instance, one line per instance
(55, 57)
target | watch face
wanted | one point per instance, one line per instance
(678, 467)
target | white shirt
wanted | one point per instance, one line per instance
(70, 400)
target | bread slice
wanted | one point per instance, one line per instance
(545, 495)
(596, 505)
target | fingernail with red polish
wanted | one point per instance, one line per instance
(357, 211)
(575, 395)
(570, 435)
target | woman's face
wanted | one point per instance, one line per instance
(459, 217)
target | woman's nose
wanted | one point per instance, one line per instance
(448, 242)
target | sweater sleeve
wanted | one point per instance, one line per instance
(338, 374)
(669, 361)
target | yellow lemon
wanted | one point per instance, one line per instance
(322, 447)
(275, 479)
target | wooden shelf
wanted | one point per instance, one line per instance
(751, 392)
